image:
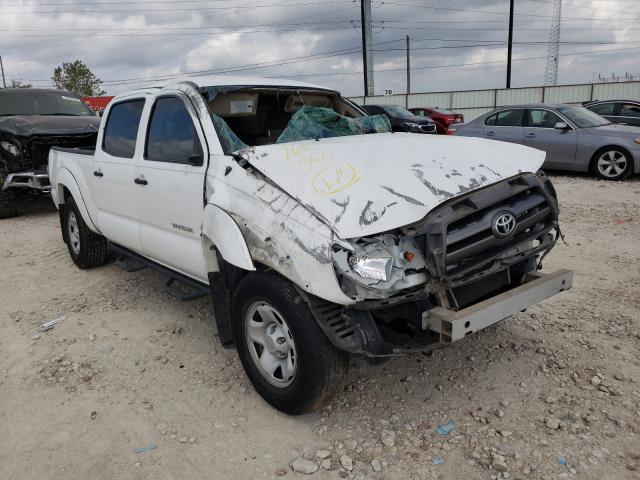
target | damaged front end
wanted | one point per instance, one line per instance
(23, 159)
(457, 259)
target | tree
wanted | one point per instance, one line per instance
(77, 78)
(19, 84)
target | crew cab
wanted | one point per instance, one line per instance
(32, 120)
(318, 232)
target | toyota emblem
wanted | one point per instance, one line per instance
(503, 224)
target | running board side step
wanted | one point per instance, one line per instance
(179, 286)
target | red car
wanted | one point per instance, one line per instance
(443, 118)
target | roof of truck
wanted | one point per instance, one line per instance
(225, 81)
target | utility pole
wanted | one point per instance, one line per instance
(367, 53)
(510, 45)
(408, 66)
(4, 82)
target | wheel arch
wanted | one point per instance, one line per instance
(67, 186)
(221, 233)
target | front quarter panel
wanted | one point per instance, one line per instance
(280, 233)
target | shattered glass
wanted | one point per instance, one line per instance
(228, 139)
(321, 122)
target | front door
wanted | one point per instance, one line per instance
(170, 196)
(114, 174)
(560, 144)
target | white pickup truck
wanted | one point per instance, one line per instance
(317, 231)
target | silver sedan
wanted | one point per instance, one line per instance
(573, 137)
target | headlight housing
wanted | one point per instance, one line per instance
(412, 125)
(379, 266)
(637, 140)
(10, 147)
(374, 266)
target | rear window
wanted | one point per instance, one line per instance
(506, 118)
(121, 130)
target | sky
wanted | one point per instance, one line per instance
(455, 44)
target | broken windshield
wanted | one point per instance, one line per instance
(246, 116)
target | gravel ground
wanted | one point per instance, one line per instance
(551, 394)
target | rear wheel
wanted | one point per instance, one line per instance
(612, 163)
(86, 248)
(7, 201)
(288, 359)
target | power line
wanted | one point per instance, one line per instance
(461, 64)
(235, 7)
(493, 13)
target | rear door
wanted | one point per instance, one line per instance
(171, 174)
(114, 173)
(560, 144)
(505, 125)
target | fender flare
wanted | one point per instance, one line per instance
(226, 236)
(66, 179)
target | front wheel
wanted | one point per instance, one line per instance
(286, 356)
(612, 163)
(86, 248)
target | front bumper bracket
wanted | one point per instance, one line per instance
(455, 325)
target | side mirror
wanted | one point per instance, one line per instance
(196, 160)
(561, 126)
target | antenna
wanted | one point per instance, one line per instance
(553, 53)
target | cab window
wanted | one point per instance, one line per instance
(121, 129)
(171, 136)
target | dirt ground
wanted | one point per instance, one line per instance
(553, 393)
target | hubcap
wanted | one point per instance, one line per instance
(612, 163)
(74, 233)
(271, 344)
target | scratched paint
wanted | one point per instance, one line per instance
(336, 178)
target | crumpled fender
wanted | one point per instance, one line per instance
(225, 234)
(66, 179)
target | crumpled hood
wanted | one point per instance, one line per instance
(366, 184)
(27, 125)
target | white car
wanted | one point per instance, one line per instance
(318, 234)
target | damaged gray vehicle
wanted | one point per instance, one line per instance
(31, 122)
(318, 232)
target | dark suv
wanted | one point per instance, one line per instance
(31, 122)
(402, 120)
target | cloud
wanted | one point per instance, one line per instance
(124, 41)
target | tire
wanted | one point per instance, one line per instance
(7, 201)
(273, 327)
(612, 163)
(87, 249)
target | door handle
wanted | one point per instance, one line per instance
(489, 134)
(530, 135)
(98, 173)
(140, 181)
